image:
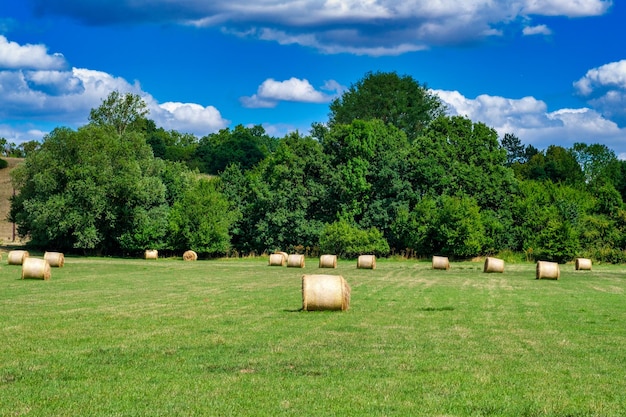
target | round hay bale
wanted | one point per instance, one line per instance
(277, 259)
(16, 257)
(328, 261)
(325, 292)
(493, 265)
(548, 270)
(284, 254)
(441, 262)
(190, 256)
(35, 268)
(151, 254)
(366, 262)
(55, 259)
(295, 261)
(583, 264)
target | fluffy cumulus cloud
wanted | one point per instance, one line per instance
(372, 27)
(605, 89)
(45, 94)
(529, 119)
(270, 92)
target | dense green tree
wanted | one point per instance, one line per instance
(201, 219)
(599, 164)
(119, 111)
(348, 241)
(398, 100)
(90, 189)
(243, 146)
(515, 151)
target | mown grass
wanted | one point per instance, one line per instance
(120, 337)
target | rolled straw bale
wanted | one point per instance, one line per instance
(583, 264)
(151, 254)
(325, 292)
(295, 261)
(284, 254)
(35, 268)
(441, 262)
(328, 261)
(16, 257)
(55, 259)
(548, 270)
(366, 262)
(277, 259)
(493, 265)
(190, 256)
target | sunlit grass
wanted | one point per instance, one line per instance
(120, 337)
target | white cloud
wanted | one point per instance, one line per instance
(605, 89)
(529, 120)
(15, 56)
(536, 30)
(362, 27)
(32, 100)
(270, 92)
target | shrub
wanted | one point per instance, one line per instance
(342, 239)
(3, 164)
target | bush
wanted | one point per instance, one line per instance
(344, 240)
(3, 164)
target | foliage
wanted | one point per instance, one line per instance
(444, 225)
(349, 241)
(201, 219)
(91, 189)
(3, 163)
(119, 111)
(242, 146)
(394, 99)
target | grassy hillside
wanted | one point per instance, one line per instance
(123, 337)
(6, 190)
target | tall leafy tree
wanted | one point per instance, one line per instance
(119, 111)
(398, 100)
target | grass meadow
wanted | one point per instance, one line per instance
(126, 337)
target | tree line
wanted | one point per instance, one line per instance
(388, 172)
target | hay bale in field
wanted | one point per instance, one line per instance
(328, 261)
(284, 255)
(16, 257)
(547, 270)
(277, 259)
(295, 261)
(55, 259)
(493, 265)
(441, 262)
(35, 268)
(151, 254)
(190, 256)
(366, 262)
(583, 264)
(325, 292)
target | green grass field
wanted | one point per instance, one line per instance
(121, 337)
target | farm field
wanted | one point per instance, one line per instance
(132, 337)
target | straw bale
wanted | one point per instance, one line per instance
(295, 260)
(328, 261)
(583, 264)
(151, 254)
(366, 262)
(548, 270)
(277, 259)
(55, 259)
(493, 265)
(284, 254)
(441, 262)
(190, 256)
(325, 292)
(36, 268)
(16, 257)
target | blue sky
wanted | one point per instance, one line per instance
(548, 71)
